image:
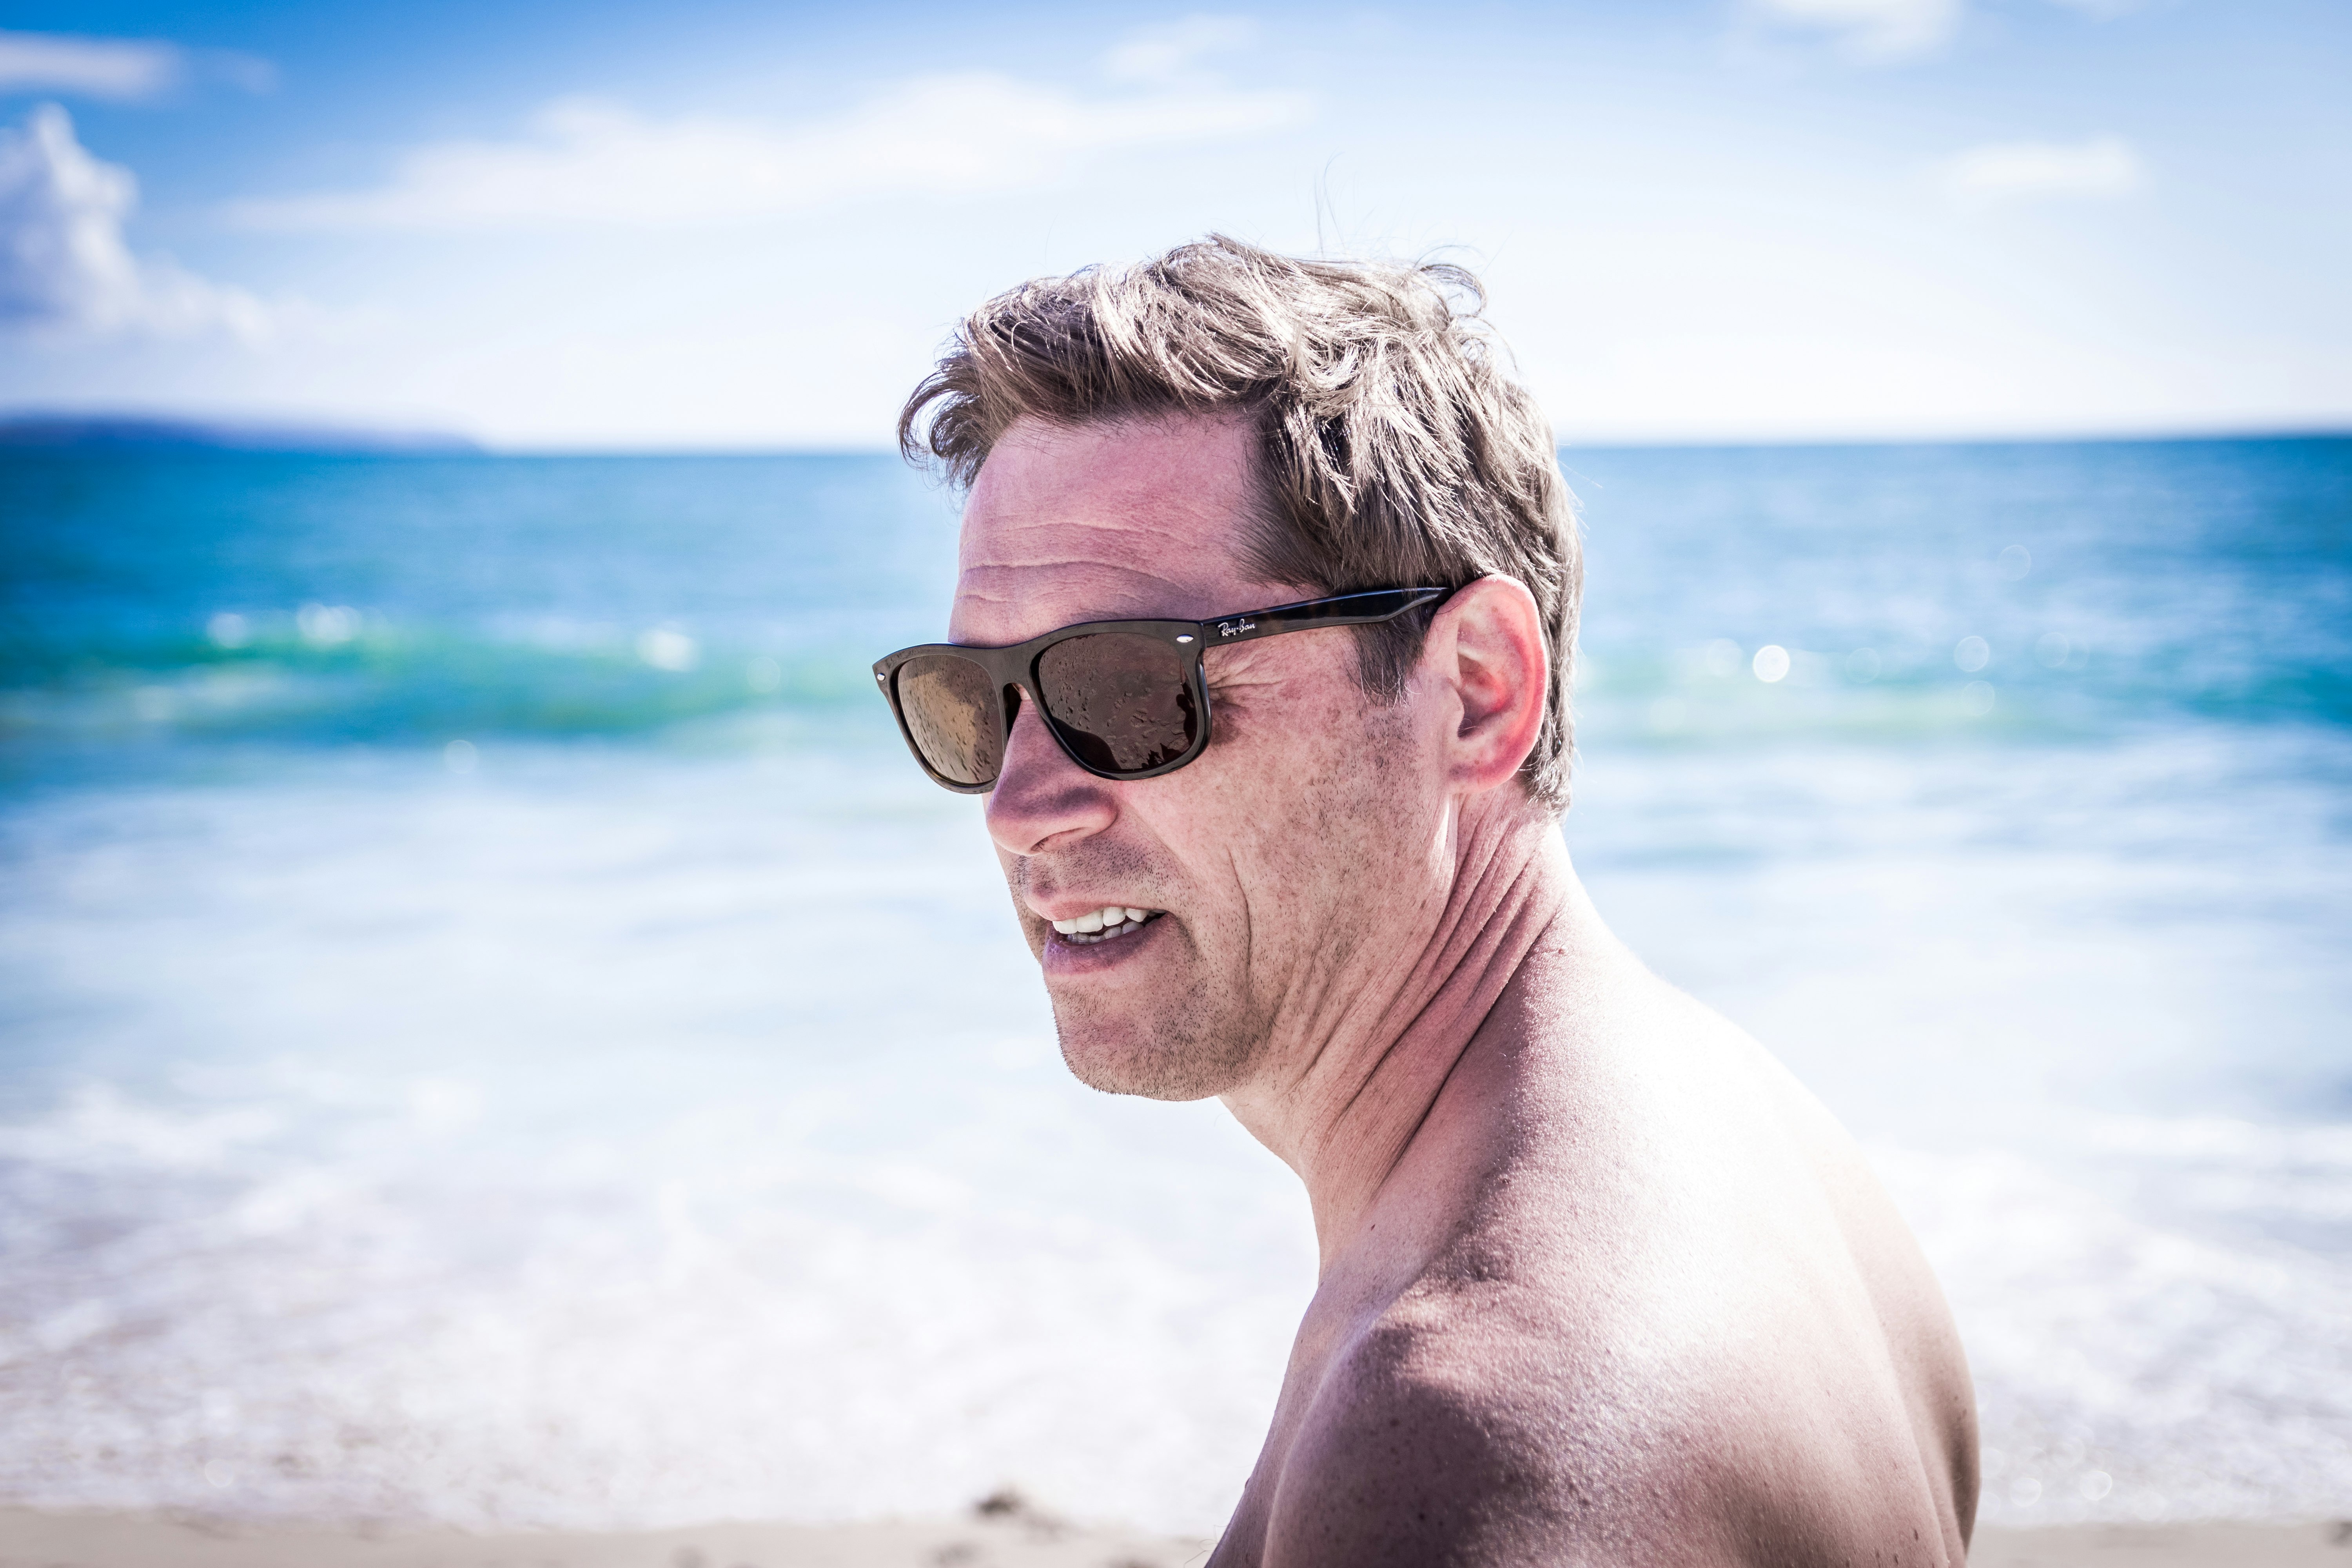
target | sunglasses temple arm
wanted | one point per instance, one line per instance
(1348, 610)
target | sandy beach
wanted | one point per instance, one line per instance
(1013, 1536)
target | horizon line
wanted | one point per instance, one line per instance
(2339, 430)
(325, 435)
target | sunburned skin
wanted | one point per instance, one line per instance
(1600, 1283)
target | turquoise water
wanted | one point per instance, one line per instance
(508, 595)
(448, 596)
(495, 1029)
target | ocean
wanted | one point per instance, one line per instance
(494, 1029)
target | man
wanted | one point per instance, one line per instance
(1260, 653)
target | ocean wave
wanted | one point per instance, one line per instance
(324, 674)
(371, 679)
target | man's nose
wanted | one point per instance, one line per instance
(1042, 800)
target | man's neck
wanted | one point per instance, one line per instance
(1341, 1111)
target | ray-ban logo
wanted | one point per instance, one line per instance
(1235, 628)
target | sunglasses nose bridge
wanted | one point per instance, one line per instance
(1022, 693)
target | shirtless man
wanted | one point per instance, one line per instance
(1601, 1283)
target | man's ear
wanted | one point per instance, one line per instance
(1486, 648)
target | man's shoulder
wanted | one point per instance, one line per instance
(1495, 1411)
(1465, 1423)
(1669, 1318)
(1485, 1437)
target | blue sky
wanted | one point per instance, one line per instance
(723, 224)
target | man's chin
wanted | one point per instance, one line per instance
(1117, 1062)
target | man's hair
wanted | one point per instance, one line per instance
(1392, 450)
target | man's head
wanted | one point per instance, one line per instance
(1387, 446)
(1212, 432)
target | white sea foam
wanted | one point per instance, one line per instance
(2194, 1371)
(706, 1314)
(559, 1144)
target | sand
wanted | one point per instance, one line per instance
(2165, 1546)
(30, 1540)
(1010, 1538)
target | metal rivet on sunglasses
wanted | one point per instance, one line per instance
(1183, 639)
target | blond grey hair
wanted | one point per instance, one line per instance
(1394, 450)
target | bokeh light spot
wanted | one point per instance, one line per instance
(1772, 663)
(665, 649)
(327, 626)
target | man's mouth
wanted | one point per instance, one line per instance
(1102, 924)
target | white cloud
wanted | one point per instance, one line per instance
(588, 162)
(63, 261)
(1165, 54)
(126, 68)
(2003, 171)
(1869, 30)
(1881, 32)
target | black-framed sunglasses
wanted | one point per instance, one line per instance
(1124, 699)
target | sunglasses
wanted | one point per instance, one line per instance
(1124, 699)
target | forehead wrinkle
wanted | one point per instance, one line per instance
(984, 580)
(1048, 544)
(1053, 562)
(1090, 585)
(1160, 501)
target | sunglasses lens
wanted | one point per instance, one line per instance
(1122, 702)
(954, 713)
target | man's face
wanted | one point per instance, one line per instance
(1284, 858)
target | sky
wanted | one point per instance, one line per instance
(718, 224)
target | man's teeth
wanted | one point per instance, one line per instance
(1102, 924)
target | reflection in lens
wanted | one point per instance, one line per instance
(950, 706)
(1120, 701)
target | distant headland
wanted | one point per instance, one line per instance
(86, 431)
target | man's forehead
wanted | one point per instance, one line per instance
(1101, 522)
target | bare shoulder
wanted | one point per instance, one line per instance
(1404, 1459)
(1690, 1330)
(1461, 1427)
(1488, 1427)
